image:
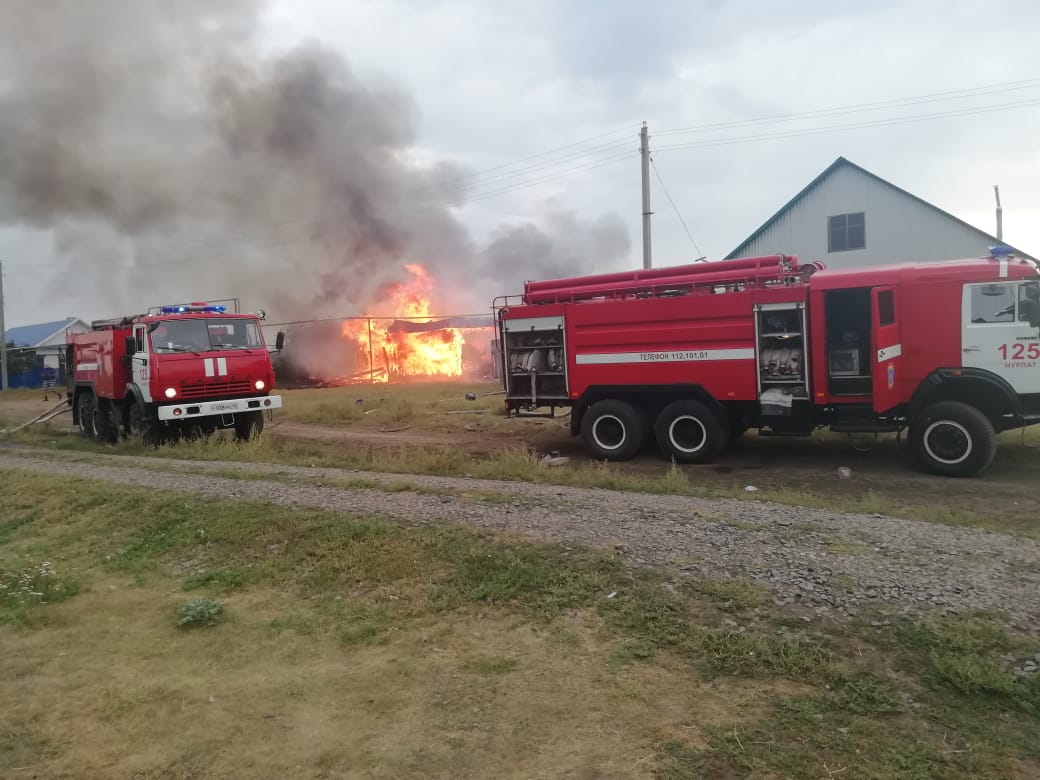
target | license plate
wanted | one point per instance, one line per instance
(225, 407)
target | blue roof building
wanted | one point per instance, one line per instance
(45, 334)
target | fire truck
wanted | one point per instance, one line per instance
(176, 369)
(690, 357)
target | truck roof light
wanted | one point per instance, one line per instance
(194, 307)
(1001, 250)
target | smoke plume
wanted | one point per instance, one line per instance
(170, 157)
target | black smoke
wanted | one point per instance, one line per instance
(171, 157)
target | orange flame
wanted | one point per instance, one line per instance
(428, 354)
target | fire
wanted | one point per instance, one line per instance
(397, 352)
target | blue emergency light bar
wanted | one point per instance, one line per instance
(220, 309)
(1001, 250)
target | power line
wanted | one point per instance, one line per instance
(861, 107)
(626, 128)
(677, 212)
(852, 126)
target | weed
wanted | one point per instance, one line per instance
(731, 595)
(33, 585)
(757, 655)
(654, 617)
(867, 695)
(199, 612)
(962, 654)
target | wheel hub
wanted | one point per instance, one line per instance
(687, 433)
(947, 442)
(608, 432)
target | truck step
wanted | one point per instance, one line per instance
(865, 427)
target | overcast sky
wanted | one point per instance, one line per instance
(496, 83)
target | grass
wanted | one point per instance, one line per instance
(732, 595)
(423, 404)
(359, 645)
(921, 498)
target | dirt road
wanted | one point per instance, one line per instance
(834, 564)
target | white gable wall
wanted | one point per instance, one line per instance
(50, 349)
(58, 339)
(898, 228)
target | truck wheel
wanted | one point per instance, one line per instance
(104, 422)
(690, 432)
(613, 430)
(140, 426)
(85, 414)
(953, 439)
(248, 425)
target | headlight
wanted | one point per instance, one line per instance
(170, 392)
(259, 385)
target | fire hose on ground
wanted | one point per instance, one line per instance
(61, 408)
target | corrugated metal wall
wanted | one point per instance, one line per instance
(898, 228)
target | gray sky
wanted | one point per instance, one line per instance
(493, 83)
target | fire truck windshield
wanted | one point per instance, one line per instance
(201, 335)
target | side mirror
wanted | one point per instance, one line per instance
(131, 345)
(279, 340)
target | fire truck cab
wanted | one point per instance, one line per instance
(693, 356)
(181, 368)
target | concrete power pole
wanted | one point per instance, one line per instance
(644, 154)
(1000, 213)
(3, 335)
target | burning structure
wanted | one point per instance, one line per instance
(396, 340)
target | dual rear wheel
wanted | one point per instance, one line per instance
(687, 431)
(949, 438)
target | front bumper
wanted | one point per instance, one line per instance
(190, 411)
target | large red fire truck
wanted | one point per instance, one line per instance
(180, 368)
(692, 356)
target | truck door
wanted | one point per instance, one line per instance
(140, 364)
(997, 334)
(886, 349)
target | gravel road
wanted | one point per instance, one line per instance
(830, 563)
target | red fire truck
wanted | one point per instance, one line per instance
(693, 356)
(180, 368)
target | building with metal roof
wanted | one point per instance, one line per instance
(47, 341)
(45, 334)
(849, 217)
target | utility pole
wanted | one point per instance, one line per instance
(1000, 213)
(644, 154)
(3, 335)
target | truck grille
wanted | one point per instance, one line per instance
(216, 389)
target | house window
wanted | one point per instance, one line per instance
(845, 232)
